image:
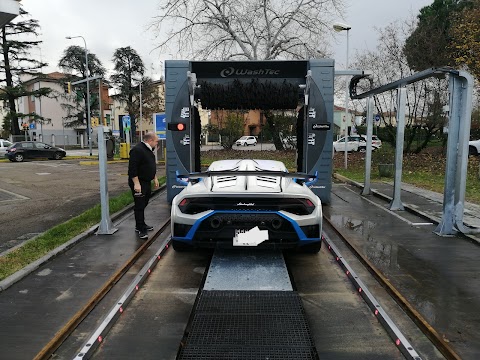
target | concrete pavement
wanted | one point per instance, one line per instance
(438, 275)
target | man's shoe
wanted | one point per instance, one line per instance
(147, 228)
(143, 235)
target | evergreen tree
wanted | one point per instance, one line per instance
(15, 51)
(128, 73)
(73, 64)
(430, 44)
(465, 35)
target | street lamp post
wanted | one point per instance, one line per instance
(88, 90)
(344, 27)
(141, 119)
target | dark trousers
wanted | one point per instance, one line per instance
(140, 203)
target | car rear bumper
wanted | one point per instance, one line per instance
(218, 228)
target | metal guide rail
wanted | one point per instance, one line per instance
(400, 340)
(247, 309)
(102, 330)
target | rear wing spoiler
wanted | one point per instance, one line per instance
(307, 179)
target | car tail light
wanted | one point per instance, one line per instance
(297, 206)
(183, 205)
(309, 205)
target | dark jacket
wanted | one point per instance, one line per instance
(142, 163)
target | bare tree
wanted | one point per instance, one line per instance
(424, 98)
(246, 30)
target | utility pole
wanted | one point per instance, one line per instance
(141, 119)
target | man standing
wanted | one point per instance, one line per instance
(142, 169)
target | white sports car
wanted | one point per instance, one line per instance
(247, 203)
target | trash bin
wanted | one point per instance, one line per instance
(124, 151)
(110, 146)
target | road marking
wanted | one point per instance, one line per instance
(7, 196)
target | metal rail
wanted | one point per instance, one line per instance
(393, 331)
(72, 324)
(101, 331)
(417, 318)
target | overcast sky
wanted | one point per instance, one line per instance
(109, 24)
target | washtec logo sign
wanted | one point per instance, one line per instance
(247, 72)
(320, 126)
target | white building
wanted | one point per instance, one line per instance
(55, 132)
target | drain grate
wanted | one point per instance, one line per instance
(248, 302)
(249, 325)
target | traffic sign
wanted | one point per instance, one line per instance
(126, 122)
(377, 118)
(159, 122)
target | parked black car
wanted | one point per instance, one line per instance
(33, 150)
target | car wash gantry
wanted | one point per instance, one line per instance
(304, 86)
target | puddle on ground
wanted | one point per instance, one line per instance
(428, 279)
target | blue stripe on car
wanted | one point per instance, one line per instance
(301, 235)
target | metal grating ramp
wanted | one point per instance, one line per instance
(247, 270)
(241, 325)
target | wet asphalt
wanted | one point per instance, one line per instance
(439, 276)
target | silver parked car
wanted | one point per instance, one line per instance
(246, 140)
(376, 142)
(474, 147)
(247, 203)
(354, 143)
(4, 144)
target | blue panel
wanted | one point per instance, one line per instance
(160, 123)
(176, 99)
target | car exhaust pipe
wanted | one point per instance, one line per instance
(215, 223)
(276, 224)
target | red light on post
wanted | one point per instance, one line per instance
(177, 126)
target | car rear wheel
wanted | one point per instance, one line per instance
(472, 150)
(362, 149)
(57, 156)
(18, 157)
